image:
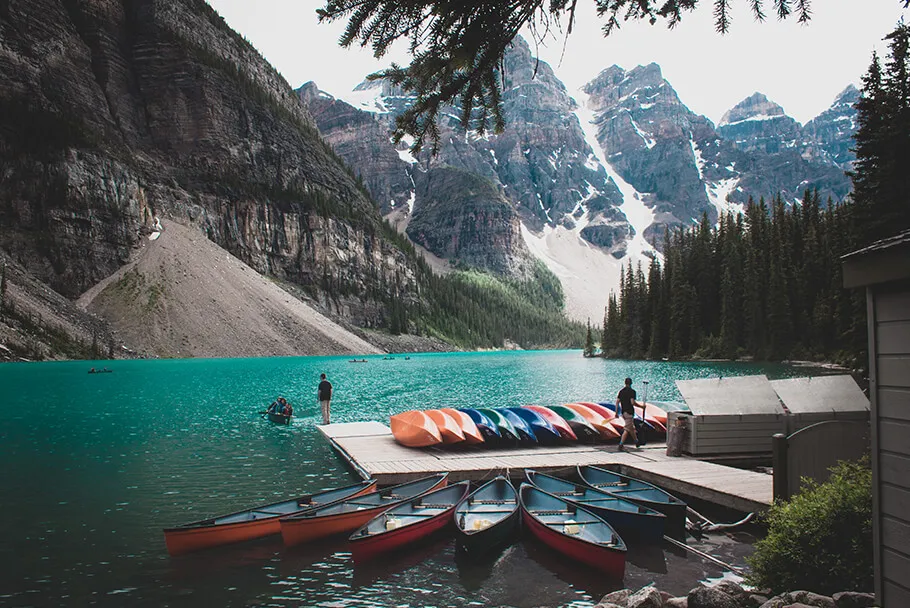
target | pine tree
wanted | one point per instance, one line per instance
(589, 342)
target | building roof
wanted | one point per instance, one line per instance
(736, 395)
(883, 261)
(821, 394)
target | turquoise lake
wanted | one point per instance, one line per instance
(95, 465)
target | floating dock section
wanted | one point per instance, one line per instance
(372, 451)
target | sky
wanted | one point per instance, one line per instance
(801, 67)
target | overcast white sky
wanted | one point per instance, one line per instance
(800, 67)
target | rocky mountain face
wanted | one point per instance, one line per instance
(117, 112)
(830, 134)
(542, 166)
(758, 124)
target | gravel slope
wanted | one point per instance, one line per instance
(186, 297)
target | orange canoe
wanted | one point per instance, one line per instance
(472, 434)
(602, 425)
(415, 429)
(252, 523)
(345, 516)
(616, 421)
(449, 429)
(656, 416)
(559, 423)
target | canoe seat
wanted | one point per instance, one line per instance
(612, 484)
(431, 506)
(566, 512)
(490, 502)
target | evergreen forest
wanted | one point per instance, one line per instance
(768, 284)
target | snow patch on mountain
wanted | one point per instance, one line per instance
(632, 204)
(587, 273)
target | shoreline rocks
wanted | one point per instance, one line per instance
(727, 594)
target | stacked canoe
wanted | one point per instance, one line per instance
(521, 426)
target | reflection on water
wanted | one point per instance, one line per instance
(95, 465)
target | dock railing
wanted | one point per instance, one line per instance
(812, 451)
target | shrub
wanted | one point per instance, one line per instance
(821, 540)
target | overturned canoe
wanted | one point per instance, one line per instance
(449, 429)
(507, 431)
(601, 424)
(407, 522)
(487, 427)
(545, 432)
(580, 425)
(255, 522)
(573, 530)
(559, 423)
(472, 434)
(415, 429)
(526, 434)
(345, 516)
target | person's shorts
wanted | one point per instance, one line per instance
(629, 419)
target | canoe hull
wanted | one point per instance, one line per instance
(449, 428)
(190, 538)
(415, 429)
(295, 531)
(279, 418)
(365, 548)
(472, 435)
(637, 491)
(562, 427)
(492, 501)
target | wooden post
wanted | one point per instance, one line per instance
(779, 464)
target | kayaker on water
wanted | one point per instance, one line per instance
(324, 394)
(626, 400)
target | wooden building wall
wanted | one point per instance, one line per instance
(889, 347)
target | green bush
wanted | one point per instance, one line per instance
(821, 540)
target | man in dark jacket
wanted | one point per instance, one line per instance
(626, 400)
(324, 393)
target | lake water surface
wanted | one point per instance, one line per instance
(95, 465)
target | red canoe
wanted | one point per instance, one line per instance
(472, 434)
(559, 423)
(407, 522)
(346, 516)
(573, 531)
(449, 429)
(415, 429)
(252, 523)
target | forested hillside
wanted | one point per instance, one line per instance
(768, 284)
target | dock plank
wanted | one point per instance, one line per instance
(370, 448)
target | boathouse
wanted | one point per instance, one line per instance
(883, 269)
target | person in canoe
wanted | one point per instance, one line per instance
(277, 406)
(626, 400)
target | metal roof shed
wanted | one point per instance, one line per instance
(731, 416)
(821, 398)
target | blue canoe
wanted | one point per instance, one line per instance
(526, 434)
(545, 432)
(508, 432)
(640, 492)
(487, 427)
(631, 520)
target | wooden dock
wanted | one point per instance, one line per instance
(372, 451)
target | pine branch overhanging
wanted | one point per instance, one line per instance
(457, 47)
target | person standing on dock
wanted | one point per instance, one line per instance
(324, 393)
(626, 400)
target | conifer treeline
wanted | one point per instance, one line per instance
(765, 284)
(768, 284)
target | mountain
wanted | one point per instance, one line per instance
(118, 117)
(832, 131)
(594, 179)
